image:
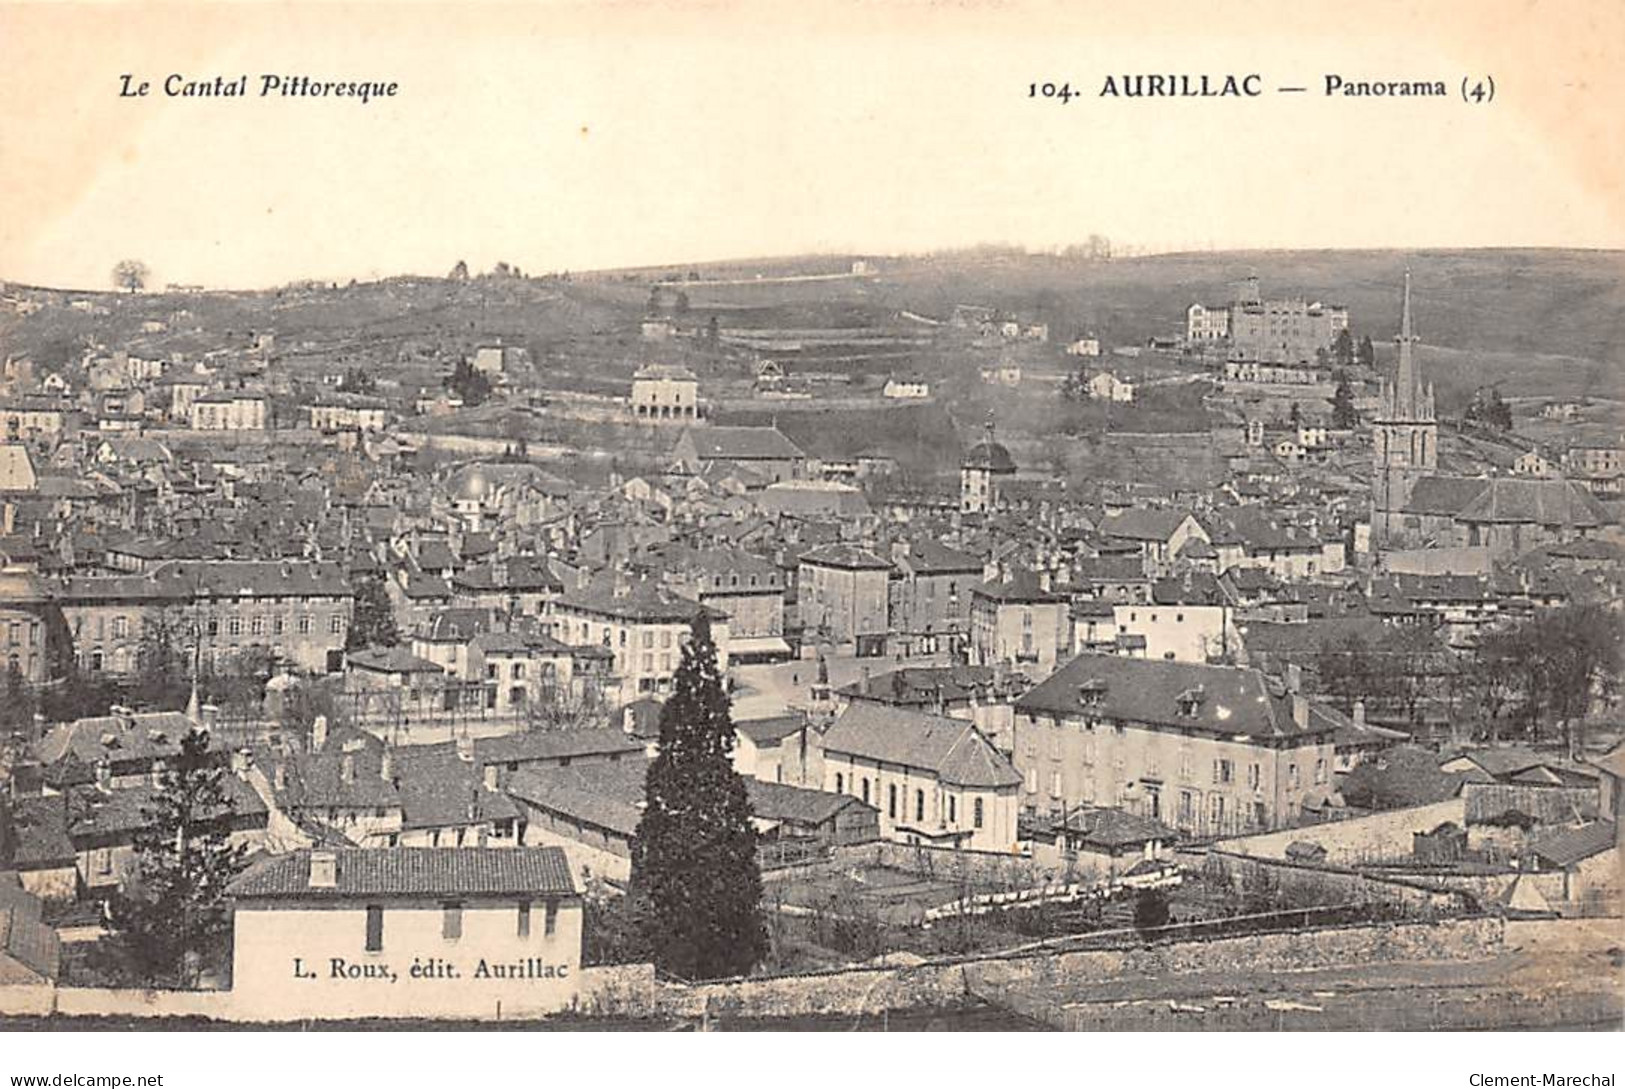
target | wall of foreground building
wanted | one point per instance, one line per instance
(632, 990)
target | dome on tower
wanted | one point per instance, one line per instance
(990, 456)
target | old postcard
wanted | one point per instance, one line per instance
(903, 515)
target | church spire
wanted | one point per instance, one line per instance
(1407, 394)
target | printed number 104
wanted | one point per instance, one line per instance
(1060, 91)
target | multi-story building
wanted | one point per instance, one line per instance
(842, 593)
(213, 611)
(1020, 621)
(749, 589)
(663, 393)
(931, 588)
(936, 780)
(228, 410)
(642, 624)
(348, 412)
(1289, 330)
(1211, 750)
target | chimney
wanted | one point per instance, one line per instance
(318, 734)
(863, 681)
(1294, 678)
(465, 748)
(324, 870)
(490, 777)
(1359, 712)
(104, 776)
(347, 768)
(1300, 710)
(386, 766)
(279, 776)
(628, 720)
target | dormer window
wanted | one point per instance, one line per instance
(1189, 702)
(1092, 693)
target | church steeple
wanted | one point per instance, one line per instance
(1406, 392)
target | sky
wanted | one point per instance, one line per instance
(556, 135)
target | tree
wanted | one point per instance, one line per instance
(682, 302)
(373, 622)
(1151, 911)
(694, 854)
(1344, 414)
(1343, 348)
(174, 910)
(1296, 415)
(469, 384)
(130, 275)
(1366, 355)
(356, 380)
(459, 271)
(17, 714)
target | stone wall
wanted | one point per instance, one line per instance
(935, 983)
(1358, 839)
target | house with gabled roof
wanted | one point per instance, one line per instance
(936, 780)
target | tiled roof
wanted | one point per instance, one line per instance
(415, 871)
(1541, 502)
(795, 805)
(928, 557)
(1023, 587)
(770, 730)
(119, 738)
(601, 795)
(440, 790)
(951, 748)
(742, 443)
(845, 556)
(534, 745)
(1233, 702)
(255, 578)
(1113, 827)
(1443, 495)
(1143, 524)
(1572, 845)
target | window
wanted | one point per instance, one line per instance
(648, 639)
(1320, 771)
(120, 628)
(336, 624)
(1224, 771)
(865, 790)
(550, 920)
(304, 625)
(1032, 781)
(891, 801)
(276, 626)
(840, 783)
(951, 814)
(524, 919)
(976, 813)
(1292, 777)
(451, 920)
(104, 861)
(375, 928)
(919, 805)
(257, 625)
(1253, 775)
(519, 671)
(1055, 784)
(214, 626)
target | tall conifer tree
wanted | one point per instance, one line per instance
(694, 857)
